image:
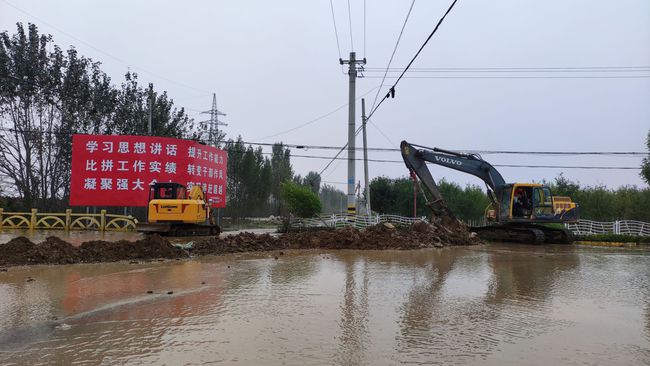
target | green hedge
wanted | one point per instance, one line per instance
(620, 238)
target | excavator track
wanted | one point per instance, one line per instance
(177, 229)
(536, 234)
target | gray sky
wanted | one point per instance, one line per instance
(274, 66)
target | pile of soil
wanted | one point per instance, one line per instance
(384, 236)
(151, 247)
(21, 251)
(381, 236)
(53, 250)
(243, 242)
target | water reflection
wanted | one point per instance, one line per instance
(528, 273)
(483, 305)
(354, 311)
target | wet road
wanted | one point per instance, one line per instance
(487, 305)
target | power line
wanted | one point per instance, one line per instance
(339, 152)
(496, 165)
(364, 28)
(315, 119)
(514, 77)
(382, 133)
(350, 19)
(386, 149)
(484, 152)
(393, 54)
(392, 89)
(104, 52)
(336, 32)
(520, 69)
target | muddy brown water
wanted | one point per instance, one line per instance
(489, 305)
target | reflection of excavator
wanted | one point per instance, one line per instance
(516, 210)
(174, 212)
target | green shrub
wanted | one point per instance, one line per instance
(301, 201)
(620, 238)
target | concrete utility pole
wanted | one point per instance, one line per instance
(364, 120)
(213, 123)
(353, 62)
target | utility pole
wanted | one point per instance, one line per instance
(353, 71)
(212, 125)
(150, 110)
(364, 120)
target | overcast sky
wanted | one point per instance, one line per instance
(274, 66)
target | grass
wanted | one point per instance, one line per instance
(618, 238)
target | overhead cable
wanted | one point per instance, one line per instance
(496, 165)
(336, 32)
(390, 61)
(392, 89)
(315, 119)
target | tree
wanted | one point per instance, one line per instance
(332, 199)
(467, 203)
(281, 171)
(312, 180)
(46, 95)
(645, 165)
(300, 201)
(395, 196)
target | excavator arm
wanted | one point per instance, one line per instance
(416, 156)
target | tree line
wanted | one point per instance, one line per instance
(255, 182)
(599, 203)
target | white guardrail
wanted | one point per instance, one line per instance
(359, 221)
(582, 227)
(625, 227)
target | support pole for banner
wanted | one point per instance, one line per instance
(68, 218)
(150, 111)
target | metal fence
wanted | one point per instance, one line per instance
(66, 221)
(356, 221)
(625, 227)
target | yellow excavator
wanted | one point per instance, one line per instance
(175, 212)
(519, 212)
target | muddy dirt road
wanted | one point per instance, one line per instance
(474, 305)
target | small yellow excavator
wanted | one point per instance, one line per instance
(175, 212)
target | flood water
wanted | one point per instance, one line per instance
(488, 305)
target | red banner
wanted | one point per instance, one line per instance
(112, 170)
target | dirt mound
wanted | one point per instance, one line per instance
(243, 242)
(16, 251)
(21, 251)
(153, 246)
(382, 236)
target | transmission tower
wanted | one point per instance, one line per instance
(212, 125)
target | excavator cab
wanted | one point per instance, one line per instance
(527, 201)
(167, 191)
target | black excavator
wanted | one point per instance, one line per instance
(517, 212)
